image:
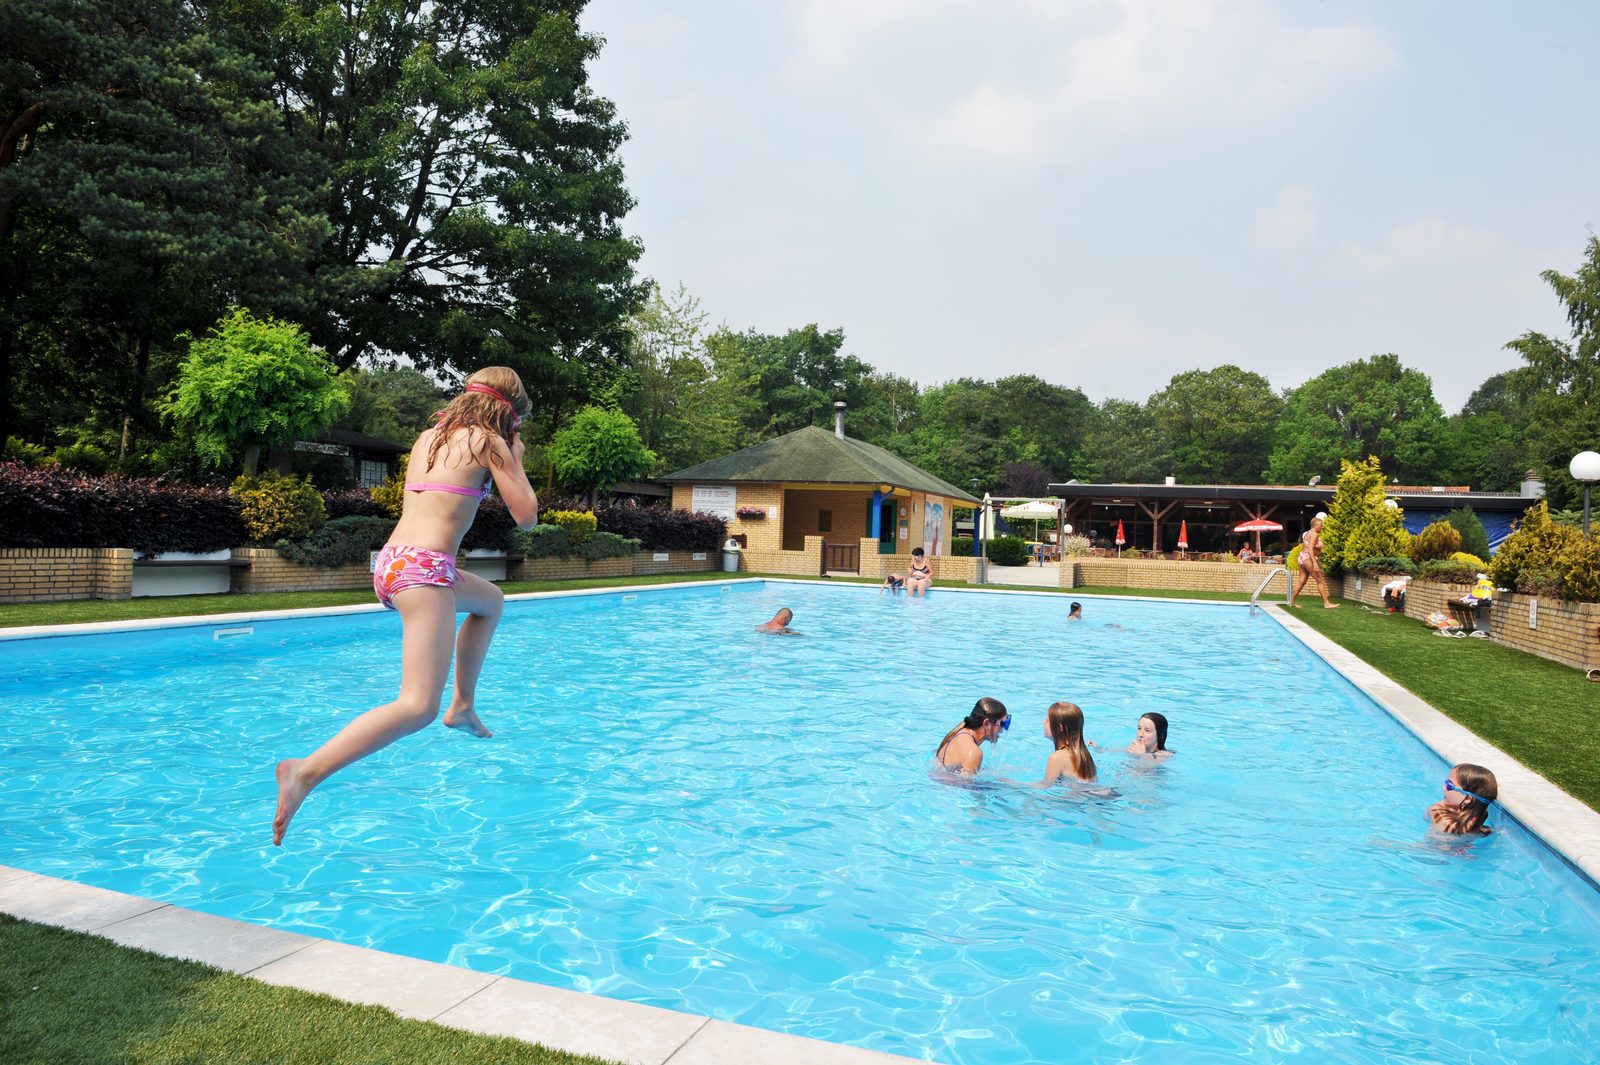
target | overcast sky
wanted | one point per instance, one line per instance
(1108, 192)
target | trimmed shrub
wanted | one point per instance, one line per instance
(1446, 571)
(1474, 537)
(1539, 580)
(63, 508)
(961, 546)
(1579, 564)
(491, 528)
(541, 541)
(1538, 544)
(1007, 551)
(1470, 559)
(580, 525)
(1384, 564)
(342, 541)
(1292, 559)
(607, 545)
(1075, 546)
(391, 494)
(660, 528)
(275, 507)
(353, 503)
(1438, 541)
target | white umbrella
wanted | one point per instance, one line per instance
(1036, 509)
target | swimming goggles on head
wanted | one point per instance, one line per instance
(516, 419)
(1450, 785)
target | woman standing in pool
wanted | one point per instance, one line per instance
(1063, 723)
(475, 441)
(960, 750)
(1151, 739)
(1311, 562)
(1469, 791)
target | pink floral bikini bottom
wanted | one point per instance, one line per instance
(401, 567)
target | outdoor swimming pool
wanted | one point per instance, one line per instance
(678, 811)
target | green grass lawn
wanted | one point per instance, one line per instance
(1540, 712)
(67, 998)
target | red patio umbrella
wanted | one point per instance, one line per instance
(1183, 535)
(1120, 538)
(1258, 526)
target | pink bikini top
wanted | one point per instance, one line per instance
(453, 489)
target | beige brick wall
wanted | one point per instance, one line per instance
(40, 574)
(270, 573)
(804, 563)
(1568, 633)
(1178, 576)
(803, 508)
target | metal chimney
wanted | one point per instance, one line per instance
(838, 418)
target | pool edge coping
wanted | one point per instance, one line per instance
(1570, 829)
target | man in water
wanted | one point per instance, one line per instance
(779, 623)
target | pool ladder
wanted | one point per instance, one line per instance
(1288, 586)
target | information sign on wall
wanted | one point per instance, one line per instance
(714, 499)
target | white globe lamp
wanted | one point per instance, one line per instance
(1585, 468)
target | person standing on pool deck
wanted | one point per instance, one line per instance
(475, 441)
(960, 750)
(1469, 791)
(1311, 562)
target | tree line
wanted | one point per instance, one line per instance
(424, 189)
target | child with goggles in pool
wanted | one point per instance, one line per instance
(959, 751)
(473, 443)
(1469, 791)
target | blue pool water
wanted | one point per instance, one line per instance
(678, 811)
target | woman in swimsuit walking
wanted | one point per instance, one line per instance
(1311, 563)
(474, 442)
(959, 751)
(920, 579)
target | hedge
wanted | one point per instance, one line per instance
(660, 528)
(343, 541)
(66, 508)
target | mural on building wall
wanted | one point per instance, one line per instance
(933, 528)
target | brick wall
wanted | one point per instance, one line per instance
(847, 509)
(270, 573)
(38, 574)
(1178, 576)
(1568, 633)
(962, 568)
(806, 563)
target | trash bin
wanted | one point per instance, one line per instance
(730, 556)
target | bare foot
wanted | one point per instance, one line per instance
(1331, 606)
(465, 718)
(291, 793)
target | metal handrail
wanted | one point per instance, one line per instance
(1288, 585)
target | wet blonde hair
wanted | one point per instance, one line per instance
(1066, 729)
(478, 410)
(1468, 818)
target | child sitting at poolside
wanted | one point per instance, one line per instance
(474, 442)
(892, 583)
(1469, 791)
(1063, 723)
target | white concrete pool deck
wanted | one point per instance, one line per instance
(624, 1031)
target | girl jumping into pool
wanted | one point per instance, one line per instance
(1063, 723)
(960, 750)
(475, 441)
(1469, 791)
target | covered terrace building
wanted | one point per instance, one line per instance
(814, 502)
(1152, 514)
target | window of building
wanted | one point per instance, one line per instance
(824, 521)
(373, 473)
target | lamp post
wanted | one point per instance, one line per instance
(1585, 467)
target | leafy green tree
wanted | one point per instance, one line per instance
(1219, 424)
(1485, 452)
(598, 450)
(1368, 407)
(252, 383)
(1361, 524)
(145, 182)
(1474, 537)
(392, 405)
(772, 385)
(1560, 381)
(1125, 444)
(475, 188)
